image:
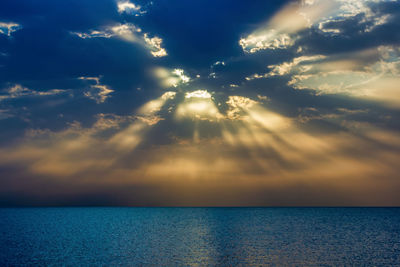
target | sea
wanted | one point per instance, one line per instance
(98, 236)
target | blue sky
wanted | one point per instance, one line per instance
(199, 102)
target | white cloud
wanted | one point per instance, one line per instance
(237, 106)
(154, 44)
(155, 106)
(168, 95)
(287, 67)
(198, 105)
(372, 74)
(130, 33)
(127, 31)
(181, 75)
(377, 21)
(129, 8)
(8, 28)
(94, 34)
(262, 97)
(346, 9)
(359, 74)
(97, 91)
(198, 94)
(221, 63)
(322, 26)
(171, 77)
(281, 31)
(148, 112)
(18, 91)
(268, 40)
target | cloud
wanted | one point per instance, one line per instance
(8, 28)
(357, 77)
(94, 34)
(357, 12)
(287, 67)
(130, 33)
(171, 77)
(370, 73)
(125, 6)
(127, 32)
(18, 91)
(310, 113)
(154, 45)
(198, 105)
(297, 131)
(155, 106)
(238, 105)
(329, 17)
(97, 91)
(18, 102)
(279, 32)
(255, 151)
(337, 50)
(268, 40)
(372, 18)
(198, 94)
(218, 63)
(69, 151)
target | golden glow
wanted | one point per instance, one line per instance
(253, 150)
(198, 105)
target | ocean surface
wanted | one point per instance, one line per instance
(200, 236)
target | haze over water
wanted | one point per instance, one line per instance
(200, 236)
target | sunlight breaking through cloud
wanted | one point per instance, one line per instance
(198, 105)
(279, 32)
(275, 150)
(198, 94)
(326, 16)
(171, 77)
(286, 103)
(130, 33)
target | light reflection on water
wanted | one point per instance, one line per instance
(200, 236)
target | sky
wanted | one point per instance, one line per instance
(199, 103)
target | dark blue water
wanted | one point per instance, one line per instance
(200, 236)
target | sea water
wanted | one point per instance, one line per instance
(200, 236)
